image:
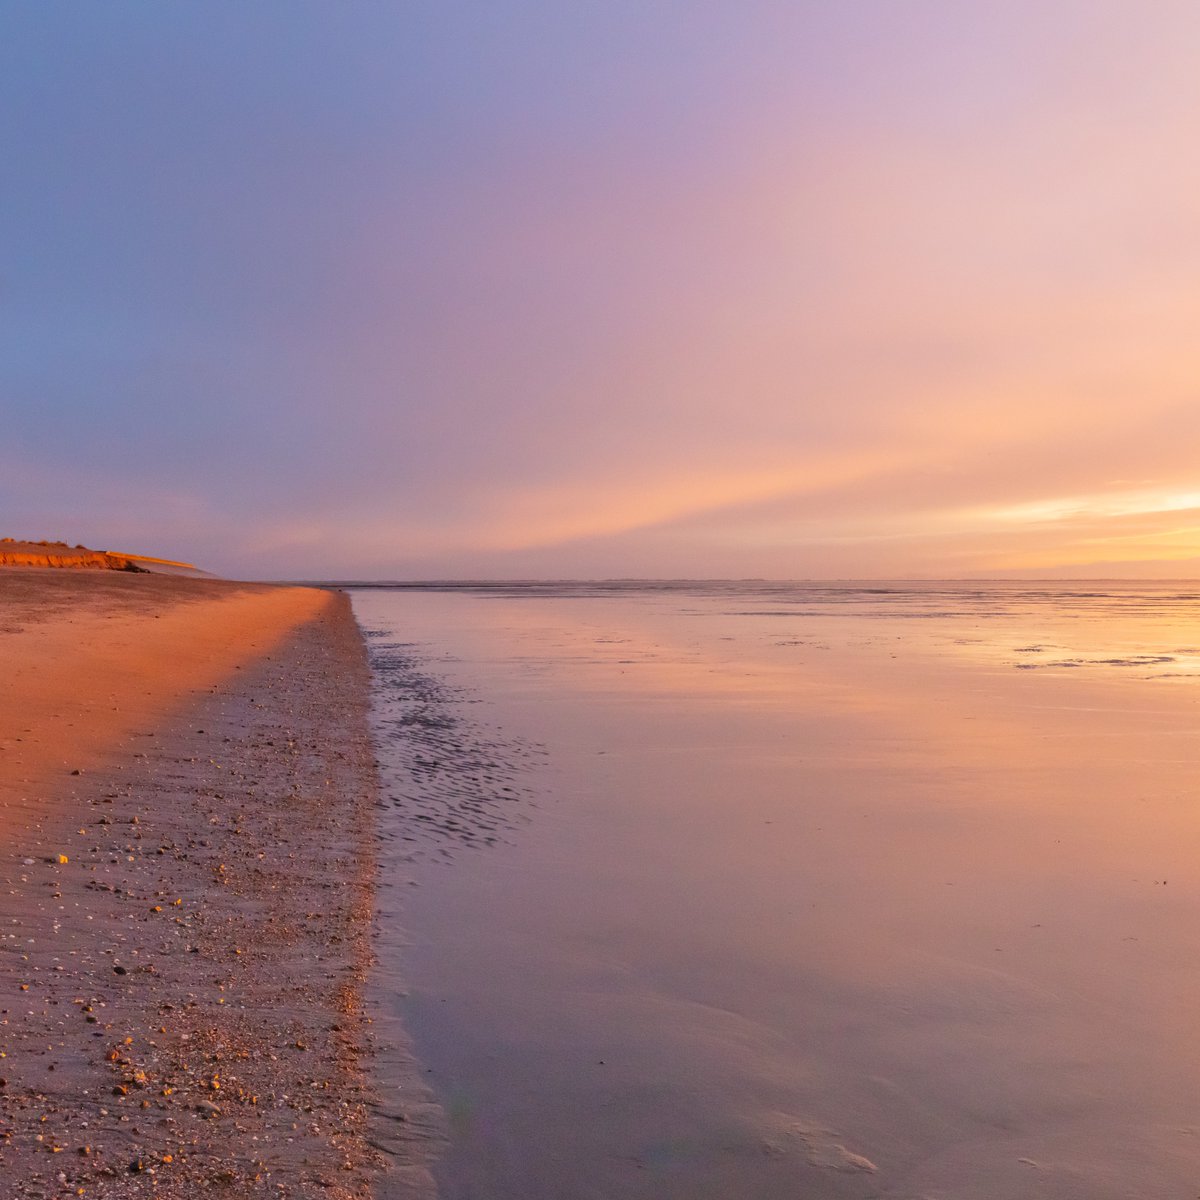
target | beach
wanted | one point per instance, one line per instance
(599, 601)
(187, 792)
(554, 892)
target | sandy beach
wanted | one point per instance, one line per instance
(186, 876)
(660, 893)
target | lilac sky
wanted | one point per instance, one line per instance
(407, 290)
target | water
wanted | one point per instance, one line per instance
(797, 890)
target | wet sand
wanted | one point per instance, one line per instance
(819, 893)
(187, 792)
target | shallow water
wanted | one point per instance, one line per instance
(762, 890)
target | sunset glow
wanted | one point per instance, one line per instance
(600, 598)
(769, 290)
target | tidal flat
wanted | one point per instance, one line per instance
(772, 890)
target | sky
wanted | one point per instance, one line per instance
(408, 289)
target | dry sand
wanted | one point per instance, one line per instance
(187, 792)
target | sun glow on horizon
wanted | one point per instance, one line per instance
(750, 290)
(1091, 507)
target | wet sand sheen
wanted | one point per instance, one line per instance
(800, 904)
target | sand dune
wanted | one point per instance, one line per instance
(14, 553)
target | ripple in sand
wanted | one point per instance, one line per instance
(463, 783)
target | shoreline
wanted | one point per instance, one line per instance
(184, 997)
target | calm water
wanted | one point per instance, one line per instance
(763, 890)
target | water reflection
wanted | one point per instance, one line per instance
(829, 894)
